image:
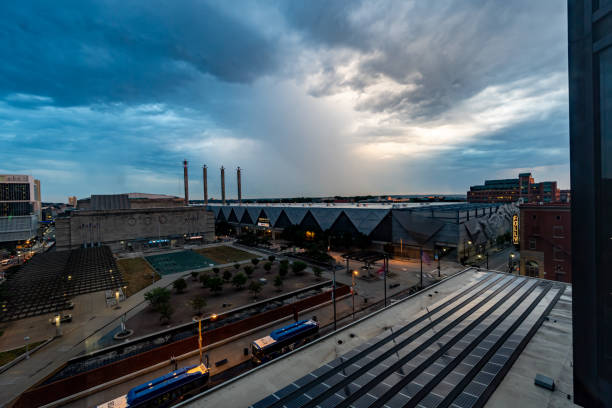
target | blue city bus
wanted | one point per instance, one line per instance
(283, 340)
(164, 391)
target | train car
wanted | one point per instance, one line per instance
(164, 391)
(283, 340)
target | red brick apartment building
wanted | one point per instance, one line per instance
(511, 190)
(545, 241)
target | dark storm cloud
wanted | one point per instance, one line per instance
(84, 52)
(448, 50)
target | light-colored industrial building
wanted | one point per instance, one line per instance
(135, 223)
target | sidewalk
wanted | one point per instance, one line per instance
(82, 335)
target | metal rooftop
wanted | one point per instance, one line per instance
(449, 346)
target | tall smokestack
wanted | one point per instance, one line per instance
(205, 183)
(239, 186)
(222, 185)
(186, 179)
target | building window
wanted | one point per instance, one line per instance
(532, 269)
(605, 59)
(558, 253)
(532, 243)
(558, 231)
(533, 217)
(558, 217)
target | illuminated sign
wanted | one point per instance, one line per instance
(263, 222)
(515, 229)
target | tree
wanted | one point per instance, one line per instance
(500, 240)
(227, 275)
(317, 272)
(215, 284)
(248, 270)
(278, 282)
(165, 312)
(216, 271)
(283, 269)
(298, 267)
(284, 262)
(204, 280)
(157, 296)
(194, 276)
(237, 266)
(239, 280)
(271, 258)
(268, 266)
(197, 303)
(180, 285)
(255, 287)
(254, 261)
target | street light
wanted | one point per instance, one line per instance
(117, 299)
(355, 273)
(510, 263)
(27, 353)
(58, 329)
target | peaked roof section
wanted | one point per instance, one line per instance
(282, 221)
(310, 222)
(273, 213)
(239, 211)
(419, 227)
(246, 218)
(365, 220)
(232, 216)
(325, 216)
(254, 213)
(296, 215)
(226, 212)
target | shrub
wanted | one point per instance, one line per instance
(197, 303)
(216, 271)
(215, 284)
(165, 312)
(239, 280)
(278, 282)
(227, 275)
(236, 266)
(284, 262)
(255, 287)
(268, 266)
(317, 272)
(180, 285)
(298, 267)
(248, 270)
(283, 269)
(194, 276)
(254, 261)
(271, 258)
(157, 296)
(204, 280)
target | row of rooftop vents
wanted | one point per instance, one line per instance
(205, 183)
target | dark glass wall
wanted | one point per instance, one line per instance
(590, 86)
(14, 191)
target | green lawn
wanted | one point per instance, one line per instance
(225, 254)
(136, 273)
(8, 356)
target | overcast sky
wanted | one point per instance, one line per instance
(308, 97)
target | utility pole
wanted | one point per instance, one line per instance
(421, 252)
(334, 291)
(385, 271)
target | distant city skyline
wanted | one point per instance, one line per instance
(309, 99)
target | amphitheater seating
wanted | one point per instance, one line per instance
(48, 281)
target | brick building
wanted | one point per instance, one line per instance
(523, 188)
(545, 241)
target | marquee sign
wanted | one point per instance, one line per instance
(515, 229)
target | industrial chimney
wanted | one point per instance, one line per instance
(186, 179)
(205, 183)
(239, 186)
(222, 185)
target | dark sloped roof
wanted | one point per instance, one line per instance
(109, 202)
(419, 228)
(296, 215)
(366, 220)
(272, 213)
(325, 216)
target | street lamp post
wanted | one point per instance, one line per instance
(487, 254)
(421, 253)
(511, 263)
(385, 271)
(438, 259)
(27, 353)
(334, 291)
(355, 273)
(58, 329)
